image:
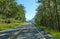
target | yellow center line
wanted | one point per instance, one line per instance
(15, 34)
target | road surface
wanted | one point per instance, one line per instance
(27, 31)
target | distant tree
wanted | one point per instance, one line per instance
(21, 13)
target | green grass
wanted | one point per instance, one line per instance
(54, 33)
(11, 25)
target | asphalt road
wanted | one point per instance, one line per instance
(27, 31)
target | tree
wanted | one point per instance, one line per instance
(9, 9)
(48, 14)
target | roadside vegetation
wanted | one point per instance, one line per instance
(48, 17)
(9, 26)
(54, 33)
(11, 14)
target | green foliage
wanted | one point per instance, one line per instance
(48, 14)
(48, 17)
(9, 9)
(8, 26)
(54, 33)
(11, 14)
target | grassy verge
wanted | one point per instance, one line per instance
(11, 25)
(54, 33)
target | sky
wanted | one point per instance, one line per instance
(30, 7)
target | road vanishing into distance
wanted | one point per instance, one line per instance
(27, 31)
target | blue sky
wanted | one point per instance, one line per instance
(30, 7)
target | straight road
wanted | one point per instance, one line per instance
(27, 31)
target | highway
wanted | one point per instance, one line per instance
(27, 31)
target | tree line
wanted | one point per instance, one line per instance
(48, 14)
(10, 10)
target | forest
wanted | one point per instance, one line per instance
(48, 17)
(48, 14)
(11, 12)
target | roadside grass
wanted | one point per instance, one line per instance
(11, 25)
(54, 33)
